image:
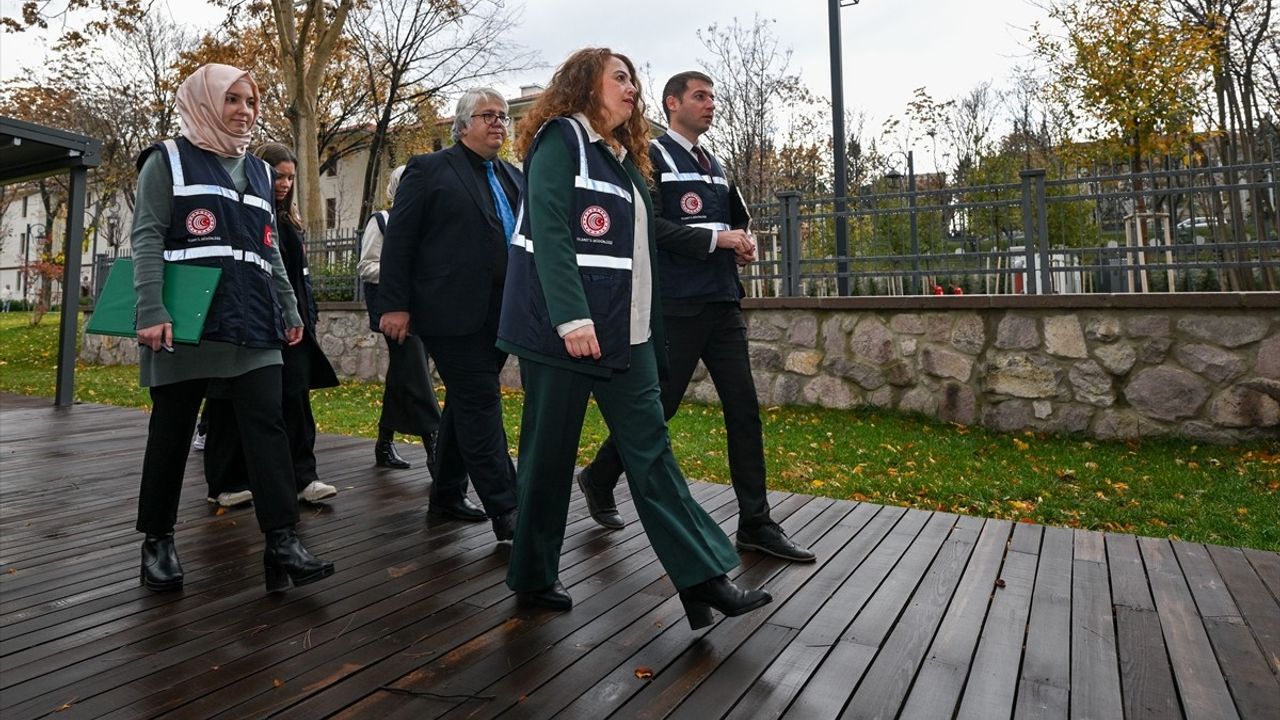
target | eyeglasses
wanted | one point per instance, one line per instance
(493, 118)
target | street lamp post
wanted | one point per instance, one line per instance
(838, 145)
(911, 205)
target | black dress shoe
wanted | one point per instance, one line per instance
(462, 509)
(770, 538)
(504, 525)
(554, 597)
(722, 595)
(600, 502)
(385, 455)
(286, 559)
(161, 571)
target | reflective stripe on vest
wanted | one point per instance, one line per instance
(586, 183)
(584, 180)
(685, 177)
(182, 189)
(209, 251)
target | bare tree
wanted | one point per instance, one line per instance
(753, 82)
(968, 128)
(416, 53)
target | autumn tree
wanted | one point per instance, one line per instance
(307, 34)
(102, 17)
(1129, 74)
(415, 54)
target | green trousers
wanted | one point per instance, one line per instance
(688, 543)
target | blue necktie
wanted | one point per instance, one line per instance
(500, 202)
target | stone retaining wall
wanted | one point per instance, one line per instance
(1203, 366)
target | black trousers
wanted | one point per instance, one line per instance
(225, 462)
(472, 440)
(717, 335)
(255, 401)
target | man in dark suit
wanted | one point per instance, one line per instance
(443, 264)
(702, 237)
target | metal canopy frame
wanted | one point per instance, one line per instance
(30, 152)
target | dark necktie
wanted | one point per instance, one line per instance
(703, 162)
(500, 203)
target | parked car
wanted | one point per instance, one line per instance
(1198, 222)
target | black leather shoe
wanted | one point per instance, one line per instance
(771, 539)
(722, 595)
(285, 559)
(504, 525)
(161, 571)
(554, 597)
(385, 455)
(600, 502)
(463, 509)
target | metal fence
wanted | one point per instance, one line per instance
(1198, 229)
(1202, 229)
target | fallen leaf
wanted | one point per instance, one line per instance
(644, 673)
(277, 682)
(1000, 582)
(220, 511)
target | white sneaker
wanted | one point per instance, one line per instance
(232, 499)
(198, 443)
(317, 491)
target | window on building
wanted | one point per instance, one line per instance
(332, 168)
(331, 213)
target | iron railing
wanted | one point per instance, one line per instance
(1204, 229)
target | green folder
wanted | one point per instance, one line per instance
(188, 291)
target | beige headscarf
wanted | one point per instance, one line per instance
(200, 100)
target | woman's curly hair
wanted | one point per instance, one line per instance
(575, 88)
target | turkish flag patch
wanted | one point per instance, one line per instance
(267, 238)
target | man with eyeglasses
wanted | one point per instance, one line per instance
(444, 259)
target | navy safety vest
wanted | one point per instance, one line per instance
(602, 225)
(694, 199)
(215, 225)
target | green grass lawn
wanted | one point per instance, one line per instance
(1165, 488)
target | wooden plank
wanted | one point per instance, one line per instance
(993, 681)
(884, 539)
(1267, 565)
(683, 673)
(1257, 606)
(1146, 679)
(1201, 687)
(826, 694)
(1095, 666)
(884, 687)
(936, 689)
(1045, 683)
(1245, 668)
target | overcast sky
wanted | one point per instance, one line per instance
(890, 47)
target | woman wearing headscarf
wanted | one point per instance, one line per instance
(203, 201)
(305, 366)
(409, 402)
(581, 310)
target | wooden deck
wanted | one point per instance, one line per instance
(907, 614)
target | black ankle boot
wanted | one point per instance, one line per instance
(285, 559)
(161, 571)
(385, 455)
(722, 595)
